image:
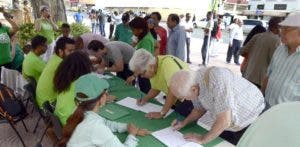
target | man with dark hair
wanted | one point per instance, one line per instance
(188, 26)
(44, 91)
(123, 32)
(162, 33)
(177, 37)
(205, 45)
(260, 50)
(115, 55)
(65, 29)
(33, 64)
(101, 19)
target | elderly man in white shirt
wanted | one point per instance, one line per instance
(233, 102)
(235, 41)
(188, 27)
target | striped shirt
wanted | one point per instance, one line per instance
(284, 77)
(221, 90)
(176, 42)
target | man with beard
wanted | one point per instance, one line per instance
(44, 91)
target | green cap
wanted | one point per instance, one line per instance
(90, 85)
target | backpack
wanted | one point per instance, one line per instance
(9, 105)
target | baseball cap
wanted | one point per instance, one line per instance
(90, 85)
(292, 20)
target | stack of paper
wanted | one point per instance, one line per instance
(173, 138)
(149, 107)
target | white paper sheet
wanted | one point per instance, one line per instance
(173, 138)
(148, 107)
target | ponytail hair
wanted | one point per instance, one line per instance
(77, 117)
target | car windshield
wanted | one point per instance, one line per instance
(252, 22)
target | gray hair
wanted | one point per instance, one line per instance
(186, 79)
(140, 60)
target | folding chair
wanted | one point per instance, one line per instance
(31, 89)
(12, 111)
(57, 126)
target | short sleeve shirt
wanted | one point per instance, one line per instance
(33, 66)
(221, 90)
(167, 67)
(45, 86)
(65, 104)
(123, 33)
(117, 50)
(46, 31)
(5, 56)
(147, 43)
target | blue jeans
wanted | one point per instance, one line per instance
(94, 28)
(102, 28)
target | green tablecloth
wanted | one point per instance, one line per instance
(120, 90)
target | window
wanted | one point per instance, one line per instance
(249, 6)
(260, 7)
(252, 22)
(280, 6)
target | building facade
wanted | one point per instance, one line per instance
(272, 7)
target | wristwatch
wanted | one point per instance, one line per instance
(162, 113)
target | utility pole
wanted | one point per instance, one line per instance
(211, 25)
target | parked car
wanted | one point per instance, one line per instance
(203, 22)
(249, 24)
(200, 23)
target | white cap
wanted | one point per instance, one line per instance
(292, 20)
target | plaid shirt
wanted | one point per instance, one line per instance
(221, 90)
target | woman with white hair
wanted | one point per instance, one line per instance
(45, 27)
(159, 70)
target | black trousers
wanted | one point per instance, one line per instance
(144, 84)
(125, 73)
(188, 42)
(234, 50)
(204, 50)
(111, 30)
(233, 137)
(183, 108)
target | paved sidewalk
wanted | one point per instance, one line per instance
(220, 60)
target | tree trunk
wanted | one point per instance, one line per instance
(57, 7)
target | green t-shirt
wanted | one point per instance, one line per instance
(147, 43)
(167, 67)
(46, 31)
(65, 104)
(123, 33)
(5, 46)
(19, 57)
(45, 86)
(33, 66)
